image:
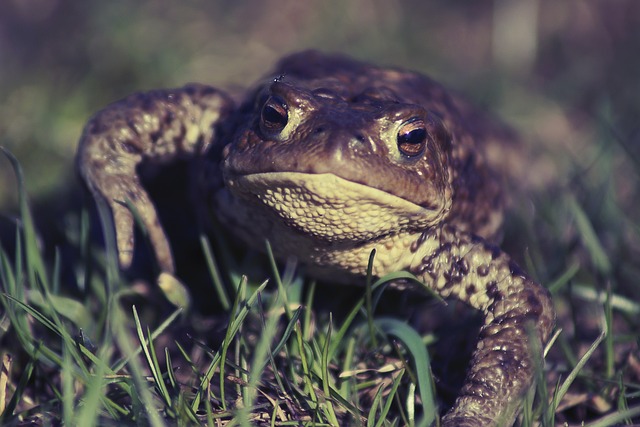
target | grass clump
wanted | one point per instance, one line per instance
(91, 357)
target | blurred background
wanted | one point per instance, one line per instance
(560, 71)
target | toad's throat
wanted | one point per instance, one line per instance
(330, 208)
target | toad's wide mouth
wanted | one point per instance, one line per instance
(329, 207)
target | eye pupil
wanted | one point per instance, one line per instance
(274, 114)
(412, 138)
(415, 136)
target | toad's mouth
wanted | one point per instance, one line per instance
(331, 208)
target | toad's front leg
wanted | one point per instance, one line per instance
(156, 126)
(516, 310)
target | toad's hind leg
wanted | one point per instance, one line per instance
(156, 126)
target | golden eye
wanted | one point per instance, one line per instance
(412, 137)
(274, 115)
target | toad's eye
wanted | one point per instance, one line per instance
(274, 115)
(412, 137)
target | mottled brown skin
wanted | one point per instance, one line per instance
(330, 158)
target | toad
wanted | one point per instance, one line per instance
(329, 158)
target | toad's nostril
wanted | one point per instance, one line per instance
(359, 137)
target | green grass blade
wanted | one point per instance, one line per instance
(119, 365)
(214, 273)
(34, 259)
(368, 299)
(326, 378)
(229, 336)
(575, 372)
(236, 321)
(371, 417)
(151, 358)
(289, 329)
(282, 293)
(413, 343)
(262, 352)
(617, 418)
(384, 412)
(92, 399)
(306, 372)
(69, 308)
(68, 395)
(143, 397)
(589, 237)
